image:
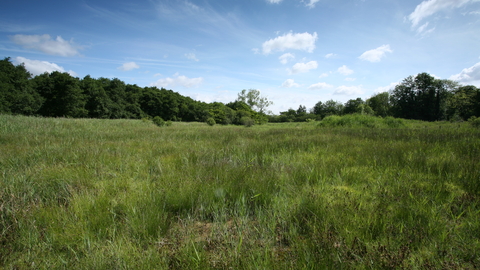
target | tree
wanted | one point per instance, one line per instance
(62, 93)
(330, 107)
(422, 97)
(254, 100)
(354, 106)
(16, 92)
(464, 102)
(380, 104)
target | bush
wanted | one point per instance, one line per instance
(247, 121)
(157, 120)
(361, 120)
(211, 121)
(168, 123)
(474, 121)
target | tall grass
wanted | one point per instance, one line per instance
(127, 194)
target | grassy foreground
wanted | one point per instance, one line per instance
(126, 194)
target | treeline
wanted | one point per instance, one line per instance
(420, 97)
(59, 94)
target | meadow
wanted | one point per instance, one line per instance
(342, 194)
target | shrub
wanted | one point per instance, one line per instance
(211, 121)
(474, 121)
(247, 121)
(393, 122)
(157, 120)
(168, 123)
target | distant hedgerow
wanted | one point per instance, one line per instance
(361, 120)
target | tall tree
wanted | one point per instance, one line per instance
(62, 93)
(254, 100)
(16, 92)
(380, 104)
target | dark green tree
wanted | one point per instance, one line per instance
(17, 95)
(380, 104)
(62, 93)
(464, 102)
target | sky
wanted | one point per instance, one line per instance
(295, 52)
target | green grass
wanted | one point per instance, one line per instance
(127, 194)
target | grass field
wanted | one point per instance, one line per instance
(126, 194)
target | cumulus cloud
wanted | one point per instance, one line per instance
(37, 67)
(469, 75)
(320, 86)
(46, 44)
(178, 80)
(128, 66)
(377, 54)
(348, 90)
(430, 7)
(300, 41)
(191, 56)
(303, 67)
(387, 88)
(290, 83)
(344, 70)
(284, 58)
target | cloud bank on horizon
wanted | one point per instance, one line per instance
(296, 52)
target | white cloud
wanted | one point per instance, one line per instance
(469, 75)
(319, 86)
(377, 54)
(37, 67)
(330, 55)
(303, 41)
(290, 83)
(286, 57)
(386, 88)
(191, 56)
(274, 1)
(323, 75)
(128, 66)
(348, 90)
(344, 70)
(178, 80)
(311, 3)
(45, 44)
(350, 79)
(430, 7)
(303, 67)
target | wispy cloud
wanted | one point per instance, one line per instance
(301, 41)
(37, 67)
(377, 54)
(274, 1)
(330, 55)
(284, 58)
(320, 86)
(303, 67)
(344, 70)
(46, 44)
(348, 90)
(290, 83)
(191, 56)
(430, 7)
(178, 80)
(311, 3)
(128, 66)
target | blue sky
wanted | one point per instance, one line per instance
(296, 52)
